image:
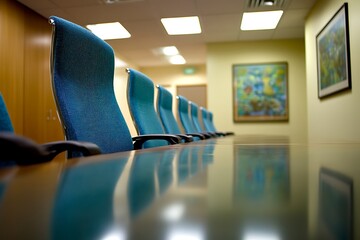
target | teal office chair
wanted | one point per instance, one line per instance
(16, 149)
(184, 115)
(5, 121)
(164, 106)
(212, 126)
(207, 124)
(140, 93)
(82, 77)
(194, 113)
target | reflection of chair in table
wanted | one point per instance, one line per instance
(149, 172)
(84, 206)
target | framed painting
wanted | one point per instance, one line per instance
(335, 205)
(260, 92)
(333, 55)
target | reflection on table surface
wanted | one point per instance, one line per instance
(241, 187)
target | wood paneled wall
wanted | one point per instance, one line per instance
(12, 60)
(25, 39)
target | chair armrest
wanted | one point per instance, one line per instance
(229, 133)
(220, 134)
(86, 148)
(199, 135)
(224, 133)
(212, 134)
(141, 139)
(24, 151)
(185, 137)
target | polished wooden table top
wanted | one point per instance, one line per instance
(241, 187)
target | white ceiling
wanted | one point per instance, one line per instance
(220, 21)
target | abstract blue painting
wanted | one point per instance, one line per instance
(260, 92)
(333, 55)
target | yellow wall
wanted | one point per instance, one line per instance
(172, 76)
(335, 118)
(221, 57)
(120, 84)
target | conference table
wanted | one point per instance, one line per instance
(234, 187)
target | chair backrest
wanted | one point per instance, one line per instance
(205, 119)
(194, 112)
(140, 94)
(184, 115)
(212, 126)
(5, 121)
(164, 107)
(82, 69)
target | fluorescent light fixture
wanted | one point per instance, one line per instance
(181, 25)
(260, 20)
(170, 51)
(177, 59)
(108, 31)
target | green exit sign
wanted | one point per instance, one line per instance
(189, 70)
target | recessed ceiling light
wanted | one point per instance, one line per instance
(181, 25)
(170, 51)
(260, 20)
(177, 59)
(108, 31)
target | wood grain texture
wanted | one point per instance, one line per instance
(12, 60)
(25, 72)
(41, 121)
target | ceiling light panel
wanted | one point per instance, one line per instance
(182, 25)
(107, 31)
(170, 51)
(260, 20)
(177, 59)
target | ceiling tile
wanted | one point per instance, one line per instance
(255, 35)
(293, 18)
(220, 7)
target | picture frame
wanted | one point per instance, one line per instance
(260, 92)
(335, 205)
(333, 55)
